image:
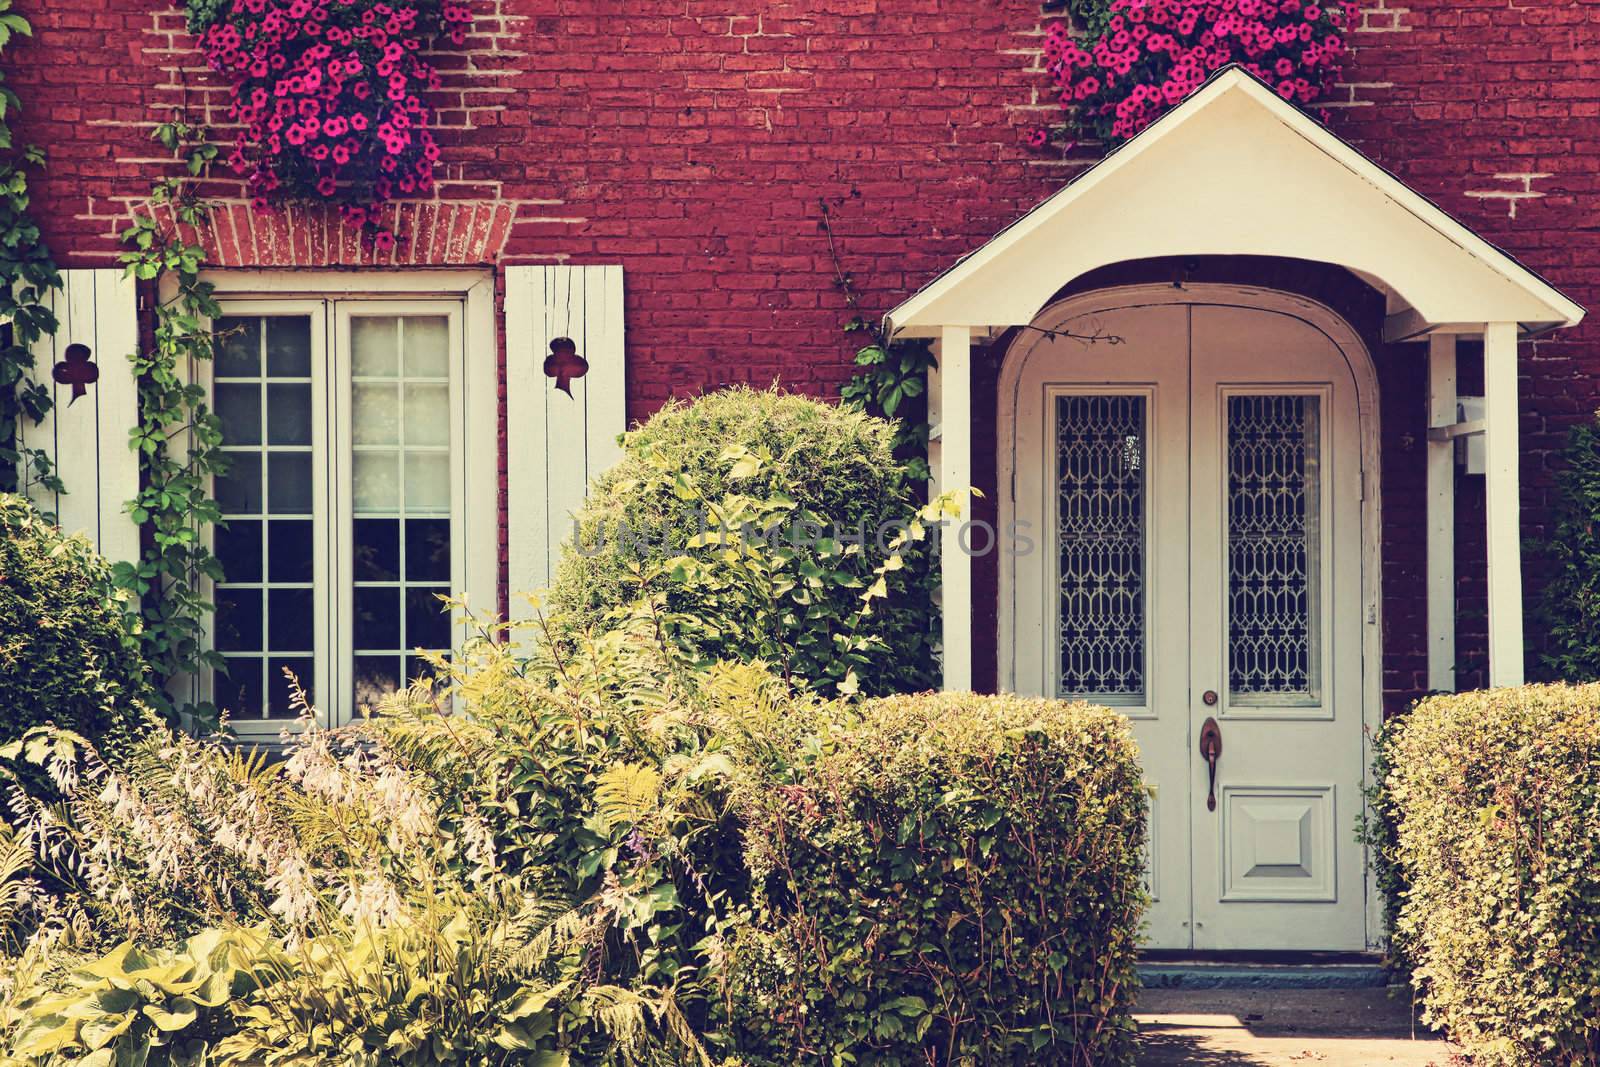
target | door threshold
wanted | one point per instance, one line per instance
(1301, 957)
(1262, 970)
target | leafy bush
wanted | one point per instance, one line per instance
(66, 652)
(615, 857)
(1494, 801)
(1569, 607)
(778, 528)
(947, 879)
(419, 888)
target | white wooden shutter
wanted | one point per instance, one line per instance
(87, 439)
(557, 443)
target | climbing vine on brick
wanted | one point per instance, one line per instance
(329, 97)
(27, 275)
(1118, 65)
(178, 438)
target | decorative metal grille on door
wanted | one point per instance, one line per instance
(1100, 449)
(1273, 547)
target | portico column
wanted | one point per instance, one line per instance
(1441, 514)
(1503, 503)
(952, 399)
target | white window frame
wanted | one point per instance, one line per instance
(329, 296)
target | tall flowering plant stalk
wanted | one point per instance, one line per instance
(328, 95)
(1146, 55)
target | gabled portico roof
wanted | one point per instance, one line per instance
(1235, 170)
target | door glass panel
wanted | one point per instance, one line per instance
(400, 433)
(1274, 486)
(1100, 472)
(264, 602)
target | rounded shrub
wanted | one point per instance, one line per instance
(946, 878)
(776, 528)
(1492, 808)
(66, 653)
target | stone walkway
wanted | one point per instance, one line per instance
(1283, 1028)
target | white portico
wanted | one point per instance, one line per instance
(1205, 491)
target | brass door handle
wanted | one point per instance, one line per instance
(1211, 751)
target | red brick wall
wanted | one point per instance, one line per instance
(692, 140)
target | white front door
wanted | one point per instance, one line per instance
(1194, 495)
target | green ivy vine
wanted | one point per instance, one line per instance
(178, 438)
(892, 381)
(27, 276)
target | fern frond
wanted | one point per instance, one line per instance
(628, 794)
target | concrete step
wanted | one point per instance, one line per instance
(1211, 973)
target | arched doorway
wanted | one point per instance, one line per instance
(1195, 520)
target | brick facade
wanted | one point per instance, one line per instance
(693, 141)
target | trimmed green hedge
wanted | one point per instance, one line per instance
(1492, 801)
(1569, 606)
(948, 879)
(66, 653)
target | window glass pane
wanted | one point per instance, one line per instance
(427, 481)
(238, 620)
(289, 550)
(427, 624)
(1273, 541)
(428, 550)
(375, 677)
(238, 549)
(238, 350)
(239, 489)
(427, 414)
(289, 483)
(289, 346)
(290, 406)
(1100, 449)
(376, 481)
(238, 405)
(374, 343)
(290, 624)
(278, 684)
(238, 689)
(377, 550)
(427, 346)
(376, 418)
(419, 667)
(377, 617)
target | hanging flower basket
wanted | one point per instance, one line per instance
(1138, 58)
(329, 97)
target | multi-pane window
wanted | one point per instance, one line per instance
(342, 515)
(262, 393)
(400, 402)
